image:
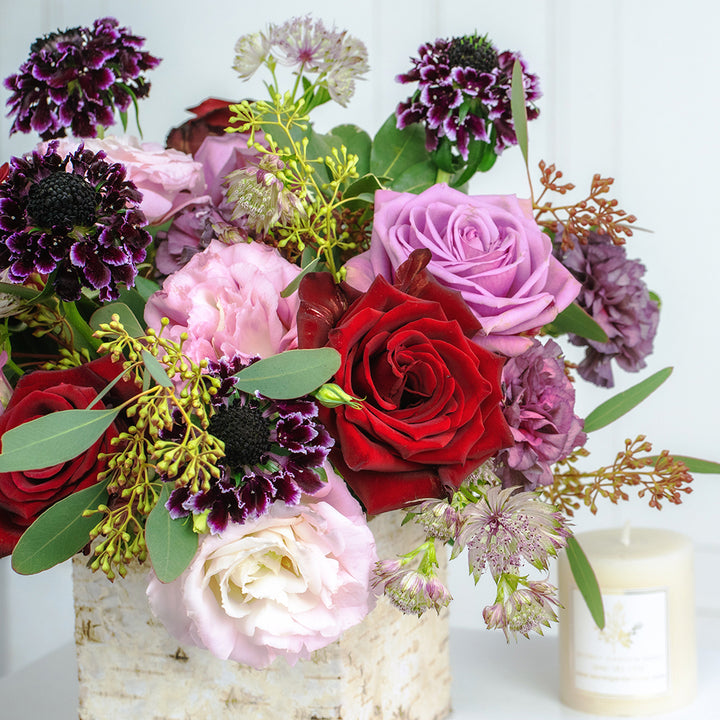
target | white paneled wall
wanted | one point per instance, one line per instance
(629, 92)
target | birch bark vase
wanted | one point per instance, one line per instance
(390, 666)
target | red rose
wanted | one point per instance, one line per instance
(212, 116)
(432, 410)
(25, 495)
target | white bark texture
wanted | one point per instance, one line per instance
(390, 666)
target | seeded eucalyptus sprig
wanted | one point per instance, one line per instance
(297, 193)
(148, 447)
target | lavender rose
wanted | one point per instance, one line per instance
(283, 585)
(486, 247)
(539, 408)
(616, 297)
(227, 299)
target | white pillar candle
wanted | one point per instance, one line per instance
(645, 659)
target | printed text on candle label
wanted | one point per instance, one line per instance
(628, 657)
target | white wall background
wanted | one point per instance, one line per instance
(630, 92)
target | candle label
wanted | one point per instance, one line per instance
(629, 657)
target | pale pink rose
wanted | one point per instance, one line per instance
(168, 179)
(283, 585)
(227, 299)
(487, 247)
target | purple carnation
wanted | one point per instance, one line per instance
(464, 94)
(616, 297)
(539, 408)
(76, 78)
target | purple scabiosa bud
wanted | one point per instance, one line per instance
(616, 297)
(76, 219)
(76, 78)
(539, 402)
(464, 94)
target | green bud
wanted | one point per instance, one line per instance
(200, 524)
(331, 396)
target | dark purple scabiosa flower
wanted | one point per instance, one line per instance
(463, 94)
(75, 219)
(539, 402)
(616, 297)
(274, 450)
(77, 78)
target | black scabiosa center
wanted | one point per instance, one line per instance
(62, 199)
(245, 432)
(472, 51)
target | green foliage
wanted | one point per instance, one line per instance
(586, 581)
(358, 142)
(623, 402)
(54, 438)
(171, 543)
(59, 532)
(125, 315)
(290, 374)
(395, 151)
(519, 112)
(573, 319)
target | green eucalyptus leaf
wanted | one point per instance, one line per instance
(172, 543)
(52, 439)
(573, 319)
(294, 284)
(358, 142)
(586, 581)
(519, 112)
(625, 401)
(394, 151)
(127, 318)
(59, 532)
(290, 374)
(156, 370)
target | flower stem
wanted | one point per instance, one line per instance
(443, 176)
(81, 330)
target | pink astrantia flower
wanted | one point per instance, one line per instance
(284, 585)
(486, 247)
(227, 299)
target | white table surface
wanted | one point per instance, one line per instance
(491, 681)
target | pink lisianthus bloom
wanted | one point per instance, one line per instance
(168, 180)
(227, 299)
(487, 247)
(282, 585)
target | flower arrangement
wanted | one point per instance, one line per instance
(222, 357)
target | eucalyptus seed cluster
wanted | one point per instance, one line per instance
(150, 446)
(312, 204)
